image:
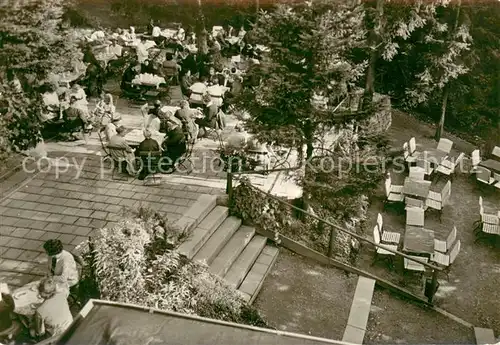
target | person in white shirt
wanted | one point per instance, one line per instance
(53, 316)
(198, 90)
(52, 103)
(216, 91)
(62, 264)
(110, 129)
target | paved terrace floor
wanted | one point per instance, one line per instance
(47, 206)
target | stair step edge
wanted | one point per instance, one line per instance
(197, 212)
(240, 268)
(232, 250)
(218, 239)
(253, 281)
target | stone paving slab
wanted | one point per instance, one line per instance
(45, 206)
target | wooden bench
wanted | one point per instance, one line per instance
(484, 336)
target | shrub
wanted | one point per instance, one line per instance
(136, 262)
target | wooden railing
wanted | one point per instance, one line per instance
(231, 176)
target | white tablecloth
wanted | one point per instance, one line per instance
(136, 136)
(27, 299)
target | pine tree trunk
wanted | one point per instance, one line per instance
(440, 127)
(373, 39)
(201, 32)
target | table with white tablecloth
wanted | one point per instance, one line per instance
(27, 298)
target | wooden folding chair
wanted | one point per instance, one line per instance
(414, 265)
(476, 159)
(446, 260)
(448, 167)
(444, 246)
(496, 152)
(483, 175)
(380, 252)
(407, 156)
(393, 193)
(387, 236)
(445, 145)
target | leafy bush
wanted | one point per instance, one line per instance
(136, 262)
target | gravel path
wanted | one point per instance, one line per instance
(396, 321)
(302, 296)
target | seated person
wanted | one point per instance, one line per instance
(6, 308)
(76, 118)
(170, 68)
(105, 110)
(174, 146)
(130, 73)
(147, 148)
(53, 316)
(186, 82)
(185, 116)
(51, 103)
(121, 152)
(210, 112)
(198, 89)
(62, 264)
(110, 128)
(147, 67)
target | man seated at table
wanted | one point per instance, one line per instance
(62, 264)
(209, 120)
(171, 68)
(53, 316)
(147, 148)
(174, 146)
(185, 116)
(121, 152)
(110, 128)
(128, 76)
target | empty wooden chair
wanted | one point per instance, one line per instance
(393, 193)
(387, 236)
(489, 218)
(496, 178)
(445, 145)
(496, 152)
(437, 201)
(448, 167)
(415, 266)
(415, 216)
(445, 260)
(417, 173)
(380, 251)
(413, 146)
(444, 246)
(407, 155)
(483, 175)
(426, 166)
(476, 159)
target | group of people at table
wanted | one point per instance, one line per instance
(166, 132)
(41, 307)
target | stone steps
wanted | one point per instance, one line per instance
(230, 250)
(245, 261)
(218, 240)
(484, 336)
(360, 310)
(253, 281)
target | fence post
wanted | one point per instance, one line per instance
(229, 183)
(331, 243)
(433, 287)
